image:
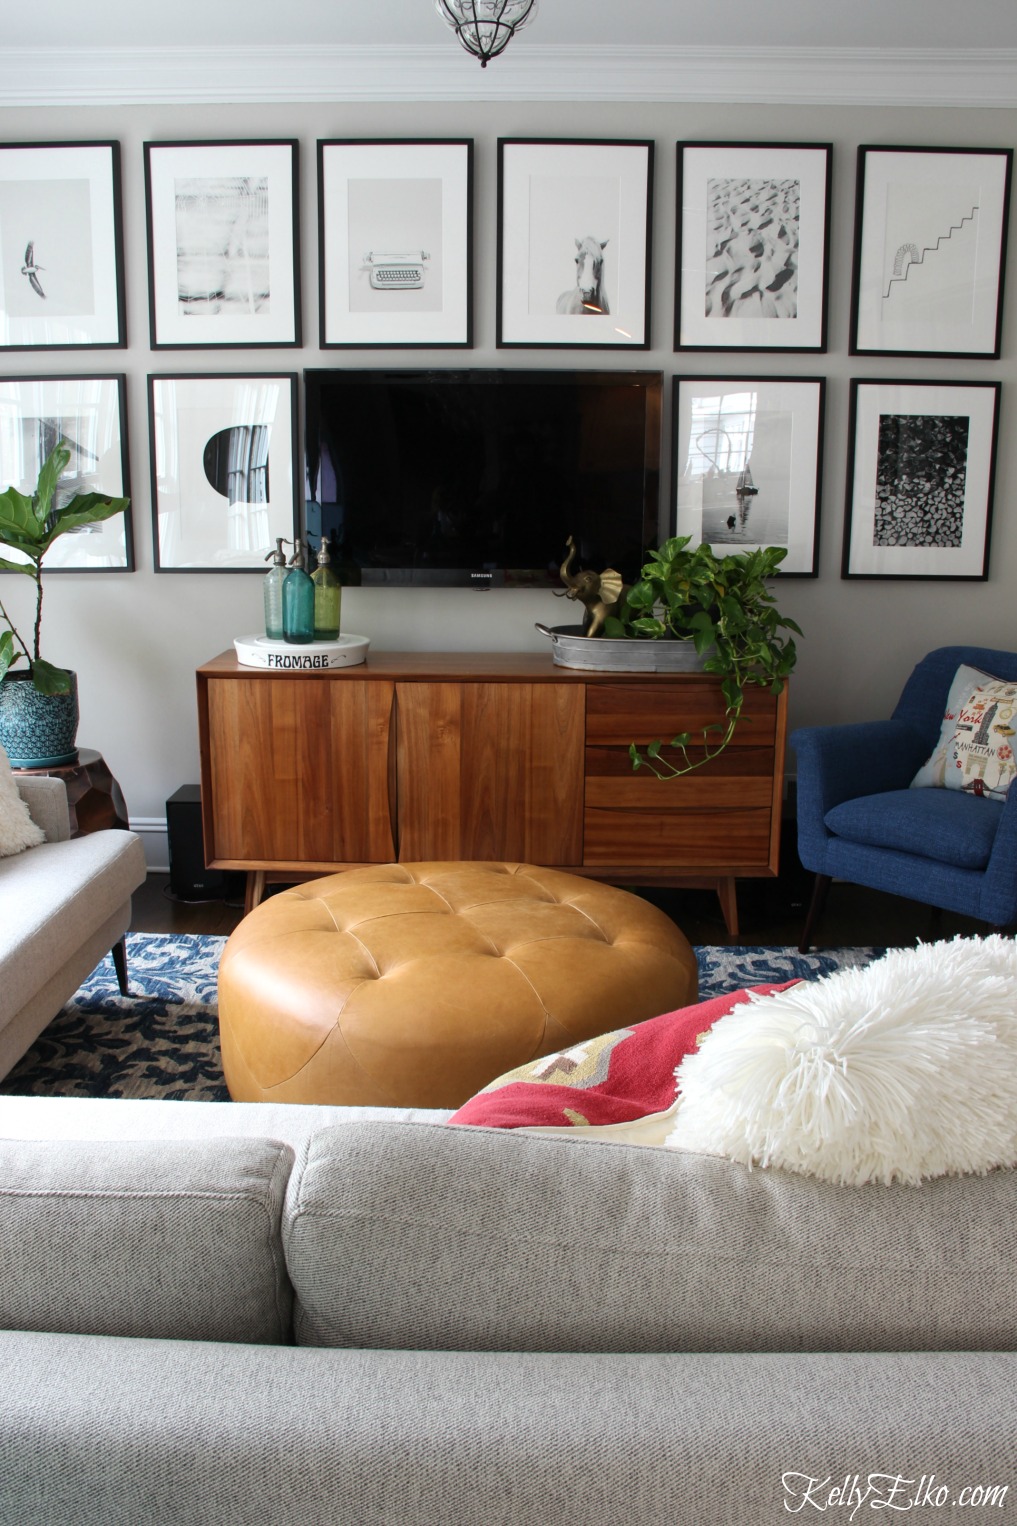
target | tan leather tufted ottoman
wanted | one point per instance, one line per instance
(416, 984)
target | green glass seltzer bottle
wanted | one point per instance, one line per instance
(327, 596)
(298, 601)
(273, 587)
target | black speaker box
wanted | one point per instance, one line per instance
(189, 879)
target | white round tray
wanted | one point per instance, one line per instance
(281, 656)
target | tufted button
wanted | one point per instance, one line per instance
(417, 984)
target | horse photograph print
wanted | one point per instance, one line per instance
(573, 242)
(589, 294)
(573, 227)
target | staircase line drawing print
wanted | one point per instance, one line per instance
(930, 251)
(909, 257)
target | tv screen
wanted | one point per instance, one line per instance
(460, 477)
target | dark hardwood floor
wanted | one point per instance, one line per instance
(771, 912)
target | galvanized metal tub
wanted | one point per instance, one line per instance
(604, 654)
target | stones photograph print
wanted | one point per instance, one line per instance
(920, 480)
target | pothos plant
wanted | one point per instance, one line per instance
(723, 605)
(31, 525)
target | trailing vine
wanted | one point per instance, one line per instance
(724, 606)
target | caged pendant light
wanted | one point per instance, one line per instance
(486, 27)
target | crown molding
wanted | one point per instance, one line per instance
(35, 77)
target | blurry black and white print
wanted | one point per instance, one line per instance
(222, 235)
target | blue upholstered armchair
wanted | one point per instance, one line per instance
(859, 821)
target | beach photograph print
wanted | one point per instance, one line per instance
(61, 266)
(573, 243)
(395, 243)
(920, 479)
(747, 465)
(752, 246)
(222, 244)
(930, 235)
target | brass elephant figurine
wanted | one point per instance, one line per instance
(599, 592)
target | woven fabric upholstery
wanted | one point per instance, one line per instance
(406, 1235)
(838, 764)
(54, 897)
(116, 1433)
(140, 1238)
(924, 697)
(951, 827)
(413, 985)
(46, 799)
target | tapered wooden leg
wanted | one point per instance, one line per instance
(255, 889)
(727, 894)
(819, 889)
(119, 952)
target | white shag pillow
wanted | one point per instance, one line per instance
(902, 1070)
(17, 829)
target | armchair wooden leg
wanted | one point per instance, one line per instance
(119, 952)
(815, 911)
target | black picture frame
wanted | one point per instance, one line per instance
(752, 246)
(561, 203)
(930, 242)
(223, 223)
(380, 201)
(90, 414)
(63, 246)
(198, 462)
(747, 456)
(920, 479)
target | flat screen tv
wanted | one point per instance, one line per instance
(478, 477)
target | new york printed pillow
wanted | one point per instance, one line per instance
(975, 751)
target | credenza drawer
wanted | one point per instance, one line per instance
(620, 714)
(699, 839)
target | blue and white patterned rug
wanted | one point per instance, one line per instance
(163, 1040)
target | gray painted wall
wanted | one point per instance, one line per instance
(135, 640)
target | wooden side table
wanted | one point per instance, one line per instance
(95, 798)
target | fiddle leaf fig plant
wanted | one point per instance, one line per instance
(723, 605)
(30, 526)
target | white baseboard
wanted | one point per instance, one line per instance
(155, 841)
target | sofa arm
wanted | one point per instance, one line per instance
(46, 799)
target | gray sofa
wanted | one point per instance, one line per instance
(66, 904)
(304, 1316)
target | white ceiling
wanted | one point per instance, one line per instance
(206, 24)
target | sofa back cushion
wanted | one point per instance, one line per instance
(414, 1236)
(173, 1239)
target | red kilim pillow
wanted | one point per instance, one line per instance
(613, 1078)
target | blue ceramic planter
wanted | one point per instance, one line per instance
(37, 730)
